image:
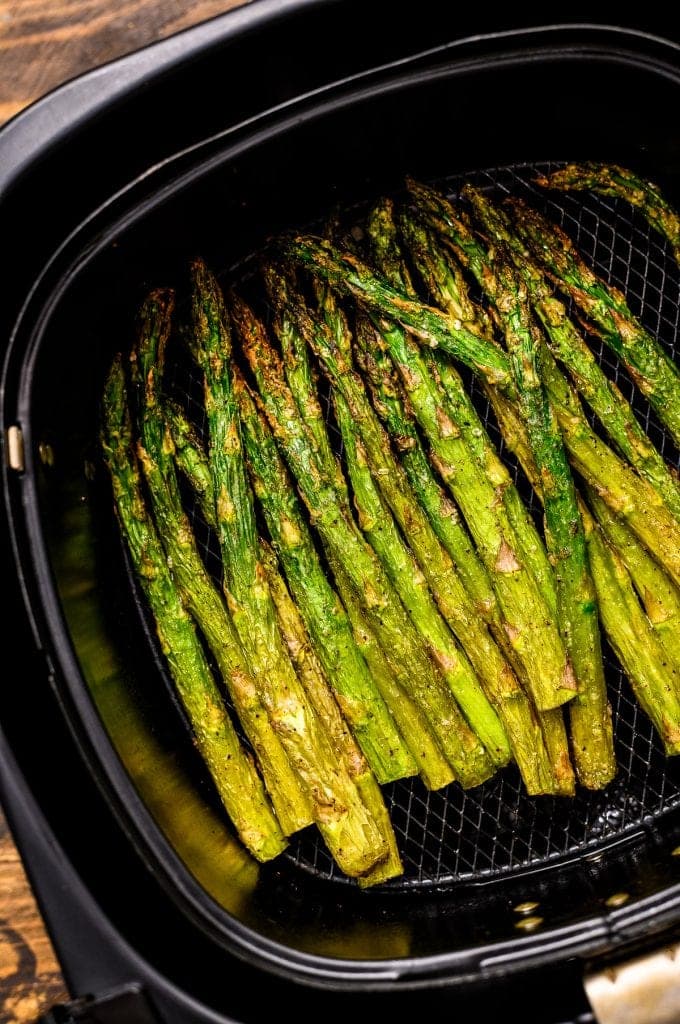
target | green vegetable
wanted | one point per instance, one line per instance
(349, 830)
(233, 772)
(346, 546)
(621, 183)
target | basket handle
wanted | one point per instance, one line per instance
(643, 990)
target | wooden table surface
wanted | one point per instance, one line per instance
(42, 44)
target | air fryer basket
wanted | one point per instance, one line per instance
(453, 834)
(492, 111)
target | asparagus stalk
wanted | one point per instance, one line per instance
(408, 580)
(640, 647)
(373, 467)
(349, 830)
(655, 682)
(577, 602)
(374, 727)
(345, 545)
(314, 680)
(433, 767)
(569, 347)
(379, 373)
(232, 770)
(626, 493)
(655, 374)
(657, 592)
(308, 582)
(196, 588)
(347, 274)
(445, 282)
(300, 377)
(621, 183)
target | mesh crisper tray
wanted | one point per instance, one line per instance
(453, 835)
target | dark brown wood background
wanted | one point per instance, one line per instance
(42, 44)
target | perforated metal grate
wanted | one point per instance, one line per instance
(454, 835)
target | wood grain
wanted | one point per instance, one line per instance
(45, 42)
(30, 979)
(42, 44)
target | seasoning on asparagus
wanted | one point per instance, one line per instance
(590, 717)
(308, 581)
(577, 602)
(376, 729)
(621, 183)
(654, 372)
(197, 590)
(233, 772)
(444, 280)
(311, 673)
(569, 347)
(349, 830)
(377, 523)
(346, 545)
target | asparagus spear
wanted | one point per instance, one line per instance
(347, 274)
(408, 580)
(308, 581)
(655, 374)
(444, 280)
(349, 830)
(433, 767)
(347, 547)
(326, 620)
(331, 341)
(655, 682)
(312, 675)
(196, 588)
(627, 494)
(657, 592)
(233, 772)
(567, 344)
(577, 603)
(621, 183)
(629, 632)
(379, 373)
